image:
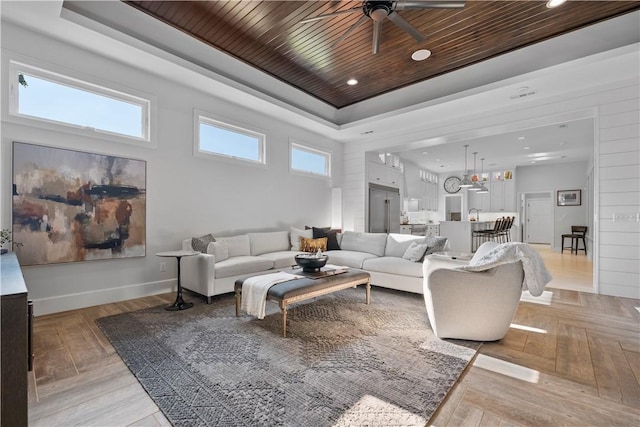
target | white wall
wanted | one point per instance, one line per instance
(551, 178)
(186, 195)
(618, 187)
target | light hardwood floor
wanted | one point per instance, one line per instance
(570, 358)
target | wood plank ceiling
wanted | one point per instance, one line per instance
(268, 35)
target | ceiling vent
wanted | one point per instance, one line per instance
(523, 92)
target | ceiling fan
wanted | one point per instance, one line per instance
(377, 11)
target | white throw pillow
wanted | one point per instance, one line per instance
(415, 252)
(273, 241)
(296, 234)
(372, 243)
(220, 250)
(238, 245)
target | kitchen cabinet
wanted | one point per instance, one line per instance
(480, 201)
(423, 186)
(384, 175)
(431, 196)
(496, 191)
(420, 229)
(393, 176)
(503, 197)
(432, 230)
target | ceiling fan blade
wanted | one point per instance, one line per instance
(400, 22)
(351, 29)
(330, 15)
(377, 32)
(420, 5)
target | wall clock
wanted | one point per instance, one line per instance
(452, 184)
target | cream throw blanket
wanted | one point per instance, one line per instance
(254, 291)
(536, 275)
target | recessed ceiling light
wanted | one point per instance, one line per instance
(521, 138)
(532, 162)
(352, 82)
(421, 54)
(526, 148)
(424, 153)
(555, 3)
(437, 160)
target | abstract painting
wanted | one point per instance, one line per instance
(73, 206)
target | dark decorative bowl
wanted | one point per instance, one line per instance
(310, 263)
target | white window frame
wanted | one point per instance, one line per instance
(147, 103)
(293, 144)
(201, 117)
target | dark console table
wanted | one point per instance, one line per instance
(14, 340)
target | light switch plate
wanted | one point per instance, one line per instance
(626, 217)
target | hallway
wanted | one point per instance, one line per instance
(569, 271)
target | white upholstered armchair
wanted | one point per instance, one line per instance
(468, 305)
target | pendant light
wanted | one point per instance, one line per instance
(475, 186)
(466, 182)
(483, 189)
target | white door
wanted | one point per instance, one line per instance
(538, 227)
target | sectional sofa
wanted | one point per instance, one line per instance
(380, 254)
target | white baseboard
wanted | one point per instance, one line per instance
(57, 304)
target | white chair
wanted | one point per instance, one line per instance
(476, 306)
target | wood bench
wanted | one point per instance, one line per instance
(312, 286)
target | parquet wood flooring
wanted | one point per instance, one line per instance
(571, 358)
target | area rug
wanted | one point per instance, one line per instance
(343, 363)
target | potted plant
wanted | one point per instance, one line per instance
(5, 237)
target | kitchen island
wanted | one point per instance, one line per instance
(460, 233)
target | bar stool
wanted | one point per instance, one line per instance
(578, 233)
(504, 235)
(481, 236)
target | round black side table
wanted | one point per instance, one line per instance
(179, 304)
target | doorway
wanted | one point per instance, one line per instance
(453, 207)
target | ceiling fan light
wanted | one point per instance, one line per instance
(555, 3)
(421, 54)
(379, 14)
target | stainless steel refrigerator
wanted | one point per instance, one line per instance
(384, 209)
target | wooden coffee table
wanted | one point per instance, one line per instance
(310, 286)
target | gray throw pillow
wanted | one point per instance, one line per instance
(435, 243)
(220, 250)
(200, 243)
(415, 252)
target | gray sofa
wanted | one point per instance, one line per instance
(380, 254)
